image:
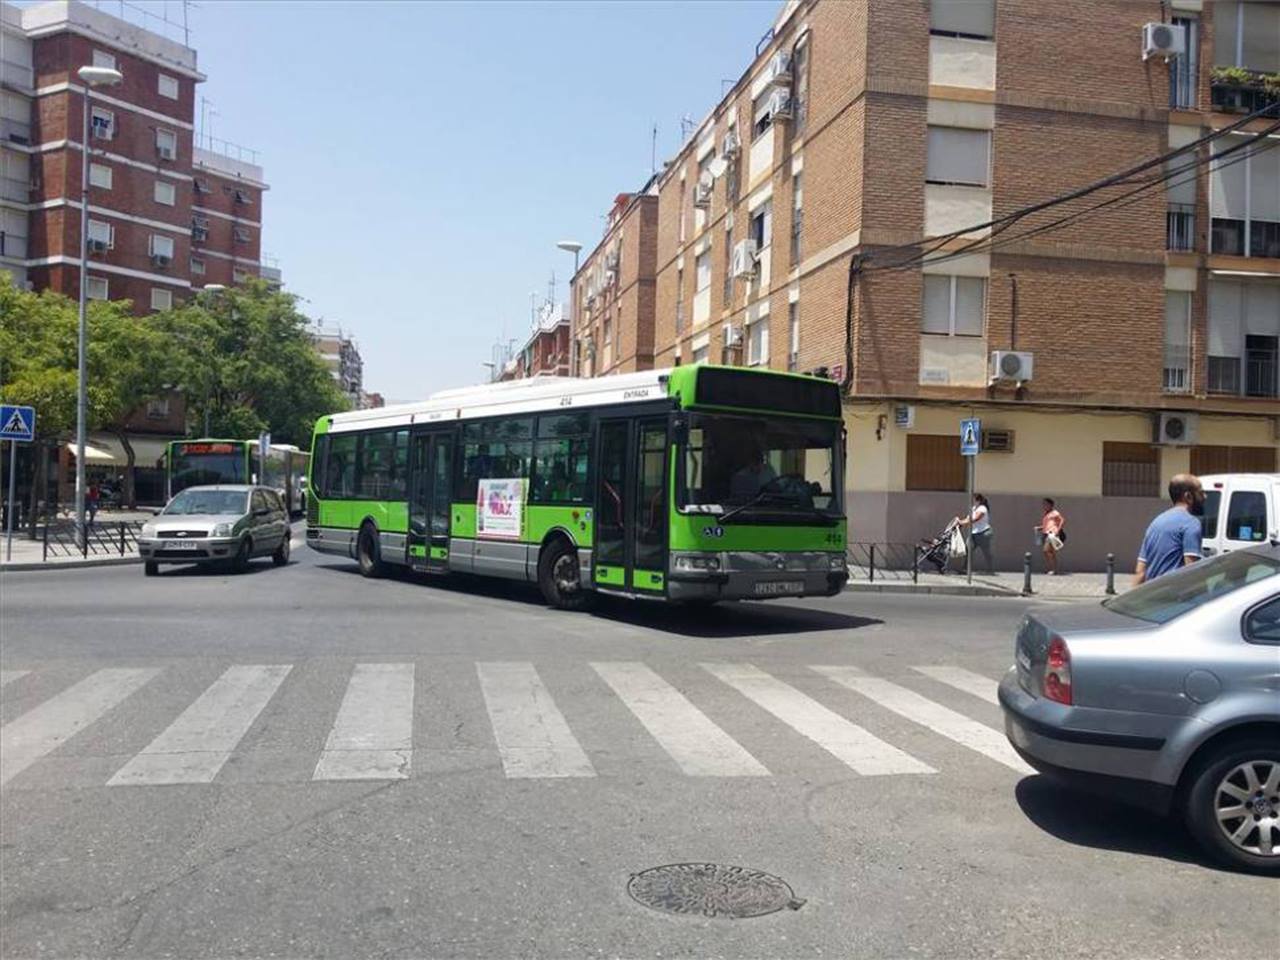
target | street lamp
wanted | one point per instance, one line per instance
(574, 247)
(91, 77)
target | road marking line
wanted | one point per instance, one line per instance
(693, 741)
(8, 676)
(372, 737)
(533, 737)
(194, 747)
(46, 727)
(865, 753)
(966, 680)
(941, 720)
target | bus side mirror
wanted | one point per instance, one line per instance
(680, 430)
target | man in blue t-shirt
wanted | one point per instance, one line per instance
(1173, 538)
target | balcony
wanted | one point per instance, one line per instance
(1237, 90)
(1180, 227)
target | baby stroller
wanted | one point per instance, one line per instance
(936, 550)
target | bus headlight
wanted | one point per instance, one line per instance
(838, 561)
(222, 530)
(695, 563)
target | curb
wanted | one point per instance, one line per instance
(946, 590)
(69, 564)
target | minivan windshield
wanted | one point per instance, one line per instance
(191, 502)
(1177, 593)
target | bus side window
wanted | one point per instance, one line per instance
(319, 459)
(340, 473)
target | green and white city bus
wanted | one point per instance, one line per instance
(190, 463)
(699, 483)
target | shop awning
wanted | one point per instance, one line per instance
(105, 451)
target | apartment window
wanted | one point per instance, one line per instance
(1184, 70)
(800, 83)
(734, 186)
(161, 299)
(101, 234)
(202, 185)
(96, 288)
(100, 175)
(240, 234)
(165, 193)
(959, 156)
(240, 276)
(1130, 469)
(102, 123)
(168, 86)
(200, 229)
(797, 216)
(758, 341)
(762, 113)
(1244, 334)
(728, 270)
(793, 342)
(761, 229)
(684, 190)
(103, 59)
(1177, 341)
(700, 354)
(197, 267)
(161, 247)
(973, 19)
(702, 271)
(242, 197)
(157, 407)
(607, 360)
(1244, 35)
(166, 144)
(934, 462)
(1244, 198)
(679, 299)
(953, 306)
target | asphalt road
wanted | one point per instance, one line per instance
(508, 768)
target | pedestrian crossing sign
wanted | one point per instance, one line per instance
(17, 423)
(970, 433)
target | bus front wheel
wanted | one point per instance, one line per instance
(367, 554)
(559, 577)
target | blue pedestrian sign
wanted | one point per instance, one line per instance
(17, 423)
(970, 434)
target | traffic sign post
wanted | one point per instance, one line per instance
(17, 425)
(970, 442)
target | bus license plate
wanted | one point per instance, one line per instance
(774, 588)
(182, 545)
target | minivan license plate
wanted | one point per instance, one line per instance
(773, 588)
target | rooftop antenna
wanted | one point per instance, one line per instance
(653, 151)
(687, 125)
(551, 290)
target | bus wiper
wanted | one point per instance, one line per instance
(758, 498)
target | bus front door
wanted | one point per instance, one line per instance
(431, 474)
(631, 506)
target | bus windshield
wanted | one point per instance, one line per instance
(203, 464)
(751, 468)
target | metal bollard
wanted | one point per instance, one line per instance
(44, 554)
(1111, 574)
(871, 573)
(1026, 574)
(122, 538)
(915, 564)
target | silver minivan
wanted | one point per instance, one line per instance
(225, 523)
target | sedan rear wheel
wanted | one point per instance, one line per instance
(1233, 806)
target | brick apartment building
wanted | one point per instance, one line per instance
(614, 289)
(863, 128)
(546, 353)
(165, 216)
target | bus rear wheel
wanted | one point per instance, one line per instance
(560, 578)
(367, 554)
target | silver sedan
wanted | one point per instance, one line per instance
(230, 523)
(1168, 696)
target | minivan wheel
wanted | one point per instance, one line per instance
(281, 556)
(1233, 806)
(240, 562)
(367, 555)
(559, 577)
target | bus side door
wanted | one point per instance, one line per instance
(430, 492)
(631, 506)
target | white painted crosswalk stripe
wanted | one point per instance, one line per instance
(941, 720)
(372, 737)
(195, 746)
(865, 753)
(966, 680)
(42, 729)
(533, 737)
(693, 741)
(8, 676)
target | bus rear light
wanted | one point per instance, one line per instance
(1057, 672)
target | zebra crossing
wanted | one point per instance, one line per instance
(370, 729)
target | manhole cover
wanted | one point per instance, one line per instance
(711, 890)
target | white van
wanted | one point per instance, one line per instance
(1240, 510)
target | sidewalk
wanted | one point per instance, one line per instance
(1071, 586)
(29, 554)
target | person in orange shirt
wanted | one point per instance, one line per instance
(1053, 533)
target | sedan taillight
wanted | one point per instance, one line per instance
(1057, 672)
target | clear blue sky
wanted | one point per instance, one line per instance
(424, 158)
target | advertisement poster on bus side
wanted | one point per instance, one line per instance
(500, 509)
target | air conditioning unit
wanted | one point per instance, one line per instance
(702, 195)
(160, 260)
(97, 246)
(1011, 365)
(611, 260)
(166, 153)
(732, 145)
(742, 263)
(780, 67)
(732, 336)
(780, 104)
(997, 441)
(609, 277)
(1162, 40)
(102, 131)
(1176, 429)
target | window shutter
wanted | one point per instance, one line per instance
(1227, 183)
(1177, 318)
(1261, 309)
(1264, 179)
(970, 296)
(1261, 47)
(958, 156)
(937, 305)
(1224, 318)
(972, 17)
(1182, 182)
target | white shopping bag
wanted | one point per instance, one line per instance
(957, 543)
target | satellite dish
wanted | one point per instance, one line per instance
(717, 167)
